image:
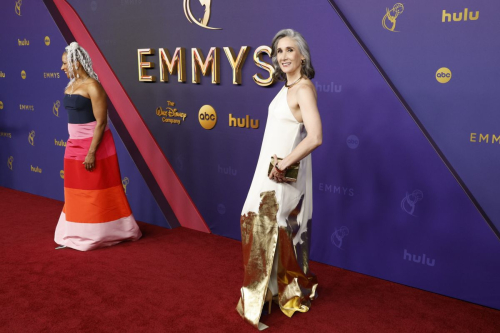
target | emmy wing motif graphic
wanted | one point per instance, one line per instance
(206, 17)
(392, 15)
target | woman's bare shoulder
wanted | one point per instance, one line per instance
(93, 87)
(306, 88)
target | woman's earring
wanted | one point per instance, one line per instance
(303, 62)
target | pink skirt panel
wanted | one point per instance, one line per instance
(82, 131)
(77, 149)
(91, 236)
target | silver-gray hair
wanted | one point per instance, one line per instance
(77, 54)
(306, 69)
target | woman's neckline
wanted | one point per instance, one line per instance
(76, 95)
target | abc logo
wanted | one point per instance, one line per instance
(207, 117)
(352, 141)
(61, 173)
(1, 105)
(47, 40)
(443, 75)
(23, 74)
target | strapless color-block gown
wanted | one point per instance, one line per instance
(276, 224)
(96, 211)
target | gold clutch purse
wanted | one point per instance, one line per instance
(291, 173)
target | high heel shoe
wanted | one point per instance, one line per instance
(269, 299)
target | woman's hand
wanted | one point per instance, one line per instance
(277, 176)
(89, 162)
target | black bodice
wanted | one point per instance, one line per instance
(79, 109)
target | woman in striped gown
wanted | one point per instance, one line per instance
(96, 212)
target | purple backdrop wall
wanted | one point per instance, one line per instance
(33, 105)
(385, 203)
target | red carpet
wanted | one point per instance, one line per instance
(185, 281)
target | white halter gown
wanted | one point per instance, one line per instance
(275, 224)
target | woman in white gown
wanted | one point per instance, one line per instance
(276, 216)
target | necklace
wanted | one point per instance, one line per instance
(289, 86)
(79, 84)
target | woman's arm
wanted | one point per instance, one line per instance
(306, 99)
(99, 106)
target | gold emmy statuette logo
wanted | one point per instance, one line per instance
(31, 138)
(18, 7)
(202, 22)
(1, 105)
(125, 182)
(207, 117)
(47, 40)
(23, 74)
(61, 173)
(10, 160)
(55, 108)
(391, 15)
(443, 75)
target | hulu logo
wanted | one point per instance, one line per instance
(457, 17)
(419, 259)
(243, 122)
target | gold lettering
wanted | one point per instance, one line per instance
(484, 137)
(23, 42)
(51, 75)
(257, 58)
(60, 143)
(212, 61)
(169, 113)
(473, 137)
(171, 121)
(177, 64)
(26, 107)
(495, 138)
(144, 64)
(237, 64)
